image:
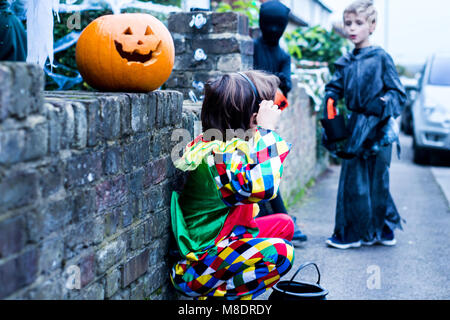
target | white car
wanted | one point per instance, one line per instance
(431, 110)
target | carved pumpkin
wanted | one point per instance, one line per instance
(130, 52)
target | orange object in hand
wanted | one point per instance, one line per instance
(331, 109)
(280, 100)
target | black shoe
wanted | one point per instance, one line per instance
(298, 235)
(338, 243)
(387, 237)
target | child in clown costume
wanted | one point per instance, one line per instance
(226, 252)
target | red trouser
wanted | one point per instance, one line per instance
(279, 225)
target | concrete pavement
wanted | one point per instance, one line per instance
(442, 176)
(416, 268)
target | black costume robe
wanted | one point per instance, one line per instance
(13, 38)
(364, 203)
(274, 60)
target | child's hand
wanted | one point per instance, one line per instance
(268, 115)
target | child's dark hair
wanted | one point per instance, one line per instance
(230, 102)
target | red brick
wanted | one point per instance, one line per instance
(12, 236)
(135, 268)
(18, 273)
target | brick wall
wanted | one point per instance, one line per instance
(85, 186)
(224, 39)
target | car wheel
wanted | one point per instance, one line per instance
(403, 125)
(420, 155)
(408, 128)
(407, 121)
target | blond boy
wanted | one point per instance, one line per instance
(368, 81)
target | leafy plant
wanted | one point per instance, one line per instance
(176, 3)
(248, 8)
(316, 44)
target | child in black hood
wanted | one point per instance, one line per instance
(268, 56)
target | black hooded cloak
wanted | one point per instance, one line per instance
(13, 38)
(364, 203)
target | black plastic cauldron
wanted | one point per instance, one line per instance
(293, 290)
(335, 129)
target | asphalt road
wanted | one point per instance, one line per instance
(416, 268)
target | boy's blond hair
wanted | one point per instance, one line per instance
(365, 7)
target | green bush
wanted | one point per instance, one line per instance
(248, 8)
(316, 44)
(67, 57)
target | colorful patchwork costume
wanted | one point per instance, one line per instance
(227, 252)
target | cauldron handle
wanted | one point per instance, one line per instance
(303, 266)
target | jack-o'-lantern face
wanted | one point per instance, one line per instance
(125, 52)
(135, 46)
